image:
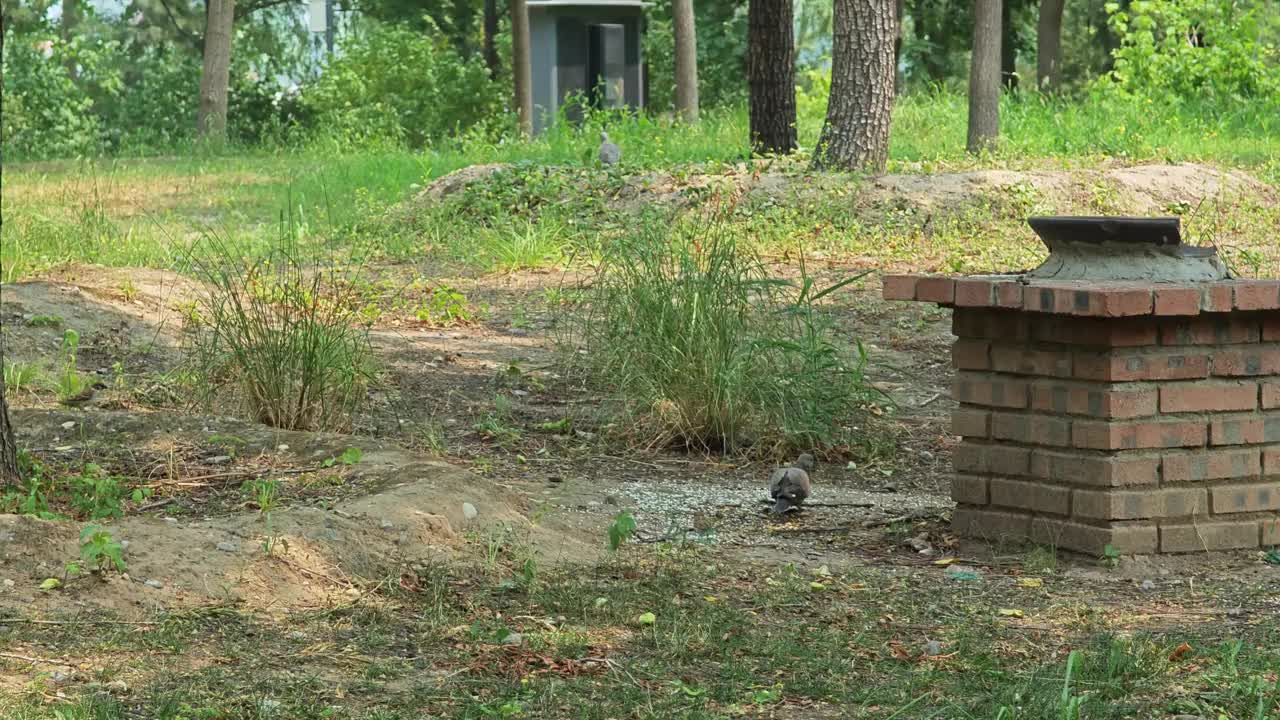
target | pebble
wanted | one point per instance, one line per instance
(514, 638)
(933, 647)
(926, 456)
(6, 583)
(156, 584)
(612, 500)
(469, 511)
(124, 544)
(59, 677)
(171, 521)
(387, 524)
(228, 547)
(1148, 585)
(68, 424)
(219, 459)
(119, 687)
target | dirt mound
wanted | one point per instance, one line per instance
(1141, 189)
(325, 550)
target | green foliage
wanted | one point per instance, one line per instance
(100, 551)
(350, 456)
(1214, 52)
(622, 527)
(46, 113)
(22, 376)
(70, 382)
(708, 349)
(396, 84)
(284, 337)
(96, 495)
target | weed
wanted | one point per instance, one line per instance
(100, 551)
(22, 377)
(695, 337)
(70, 383)
(622, 527)
(1110, 557)
(129, 291)
(434, 438)
(283, 336)
(266, 494)
(1041, 560)
(98, 495)
(45, 321)
(445, 307)
(350, 456)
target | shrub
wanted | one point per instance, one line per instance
(283, 339)
(705, 348)
(45, 113)
(394, 83)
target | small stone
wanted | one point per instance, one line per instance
(920, 543)
(520, 393)
(612, 500)
(68, 424)
(228, 547)
(219, 460)
(59, 676)
(281, 447)
(932, 648)
(124, 544)
(386, 524)
(7, 583)
(297, 635)
(469, 511)
(1148, 586)
(926, 456)
(153, 583)
(119, 687)
(171, 520)
(514, 638)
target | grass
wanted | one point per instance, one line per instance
(727, 641)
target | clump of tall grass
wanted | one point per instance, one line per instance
(704, 347)
(278, 335)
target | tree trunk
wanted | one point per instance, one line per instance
(686, 60)
(70, 20)
(490, 37)
(984, 76)
(856, 132)
(899, 80)
(8, 448)
(771, 76)
(1008, 47)
(520, 65)
(1049, 45)
(215, 78)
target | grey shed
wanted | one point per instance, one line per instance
(587, 47)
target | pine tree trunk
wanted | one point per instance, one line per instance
(8, 449)
(1049, 45)
(682, 21)
(490, 37)
(856, 133)
(771, 76)
(984, 76)
(215, 78)
(1008, 47)
(520, 65)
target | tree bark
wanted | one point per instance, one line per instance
(984, 76)
(856, 132)
(1049, 45)
(520, 65)
(490, 37)
(682, 21)
(771, 76)
(70, 20)
(215, 78)
(1008, 47)
(8, 448)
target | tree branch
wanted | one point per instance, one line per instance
(249, 8)
(196, 41)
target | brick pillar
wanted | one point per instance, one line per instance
(1145, 418)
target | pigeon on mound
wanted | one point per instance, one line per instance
(610, 153)
(789, 486)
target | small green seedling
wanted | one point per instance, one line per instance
(620, 529)
(1110, 556)
(100, 551)
(350, 456)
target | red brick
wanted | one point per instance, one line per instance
(1141, 366)
(969, 489)
(975, 292)
(1139, 504)
(1246, 498)
(1097, 301)
(1121, 302)
(1271, 462)
(1198, 537)
(1210, 465)
(1124, 401)
(1093, 539)
(1270, 532)
(1049, 298)
(1030, 496)
(1262, 360)
(1246, 430)
(1177, 301)
(991, 324)
(1208, 397)
(1257, 294)
(990, 524)
(1097, 470)
(970, 457)
(1217, 297)
(969, 354)
(1270, 395)
(1138, 434)
(1009, 294)
(1210, 330)
(1026, 361)
(970, 423)
(1031, 429)
(936, 289)
(989, 390)
(899, 287)
(1108, 333)
(1271, 329)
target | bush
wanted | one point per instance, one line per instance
(1214, 52)
(283, 340)
(394, 83)
(706, 349)
(45, 113)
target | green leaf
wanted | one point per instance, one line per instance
(50, 584)
(351, 456)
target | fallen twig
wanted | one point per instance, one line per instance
(913, 515)
(33, 660)
(27, 621)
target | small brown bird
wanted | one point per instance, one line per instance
(84, 397)
(789, 486)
